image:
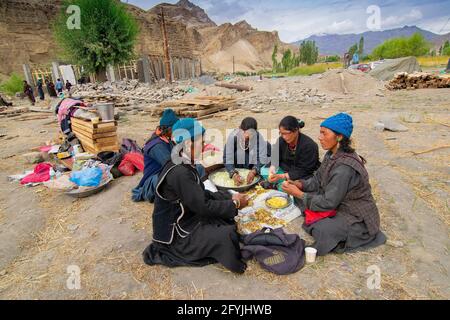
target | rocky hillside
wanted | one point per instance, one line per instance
(27, 38)
(185, 12)
(251, 49)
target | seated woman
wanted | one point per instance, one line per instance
(193, 226)
(341, 212)
(157, 151)
(296, 154)
(247, 149)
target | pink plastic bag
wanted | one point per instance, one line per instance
(41, 174)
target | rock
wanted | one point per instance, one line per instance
(393, 125)
(72, 227)
(379, 126)
(3, 273)
(412, 118)
(395, 244)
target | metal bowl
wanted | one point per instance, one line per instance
(279, 195)
(242, 188)
(76, 193)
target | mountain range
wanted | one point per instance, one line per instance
(331, 44)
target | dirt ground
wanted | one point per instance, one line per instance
(42, 232)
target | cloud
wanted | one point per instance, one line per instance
(394, 21)
(295, 20)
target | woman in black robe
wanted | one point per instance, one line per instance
(192, 226)
(29, 92)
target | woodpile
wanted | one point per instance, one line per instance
(96, 137)
(197, 107)
(418, 80)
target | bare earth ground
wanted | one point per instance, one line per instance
(42, 233)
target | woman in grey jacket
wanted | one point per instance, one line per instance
(341, 213)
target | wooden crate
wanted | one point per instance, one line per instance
(97, 137)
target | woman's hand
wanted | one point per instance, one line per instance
(251, 176)
(292, 189)
(297, 183)
(277, 177)
(242, 200)
(237, 179)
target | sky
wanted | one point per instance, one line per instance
(297, 19)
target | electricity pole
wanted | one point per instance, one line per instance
(166, 48)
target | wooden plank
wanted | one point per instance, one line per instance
(93, 130)
(106, 141)
(89, 124)
(202, 113)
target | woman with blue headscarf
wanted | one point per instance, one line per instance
(341, 213)
(157, 151)
(192, 226)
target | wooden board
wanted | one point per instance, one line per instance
(76, 126)
(89, 124)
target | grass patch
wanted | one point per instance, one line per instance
(305, 70)
(313, 69)
(13, 85)
(437, 61)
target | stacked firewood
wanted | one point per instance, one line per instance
(418, 80)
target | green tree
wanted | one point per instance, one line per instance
(309, 53)
(353, 49)
(107, 34)
(361, 47)
(286, 61)
(274, 59)
(446, 49)
(416, 45)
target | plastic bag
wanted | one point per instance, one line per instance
(131, 162)
(41, 173)
(90, 177)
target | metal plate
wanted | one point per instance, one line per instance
(280, 195)
(237, 189)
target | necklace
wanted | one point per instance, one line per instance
(242, 144)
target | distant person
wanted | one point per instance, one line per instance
(68, 85)
(346, 60)
(448, 67)
(29, 92)
(40, 88)
(51, 88)
(355, 58)
(59, 86)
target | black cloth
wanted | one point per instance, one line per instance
(208, 243)
(192, 226)
(300, 164)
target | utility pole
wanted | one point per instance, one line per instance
(233, 66)
(166, 48)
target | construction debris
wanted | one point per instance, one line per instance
(198, 106)
(418, 80)
(128, 93)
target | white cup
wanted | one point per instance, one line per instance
(310, 254)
